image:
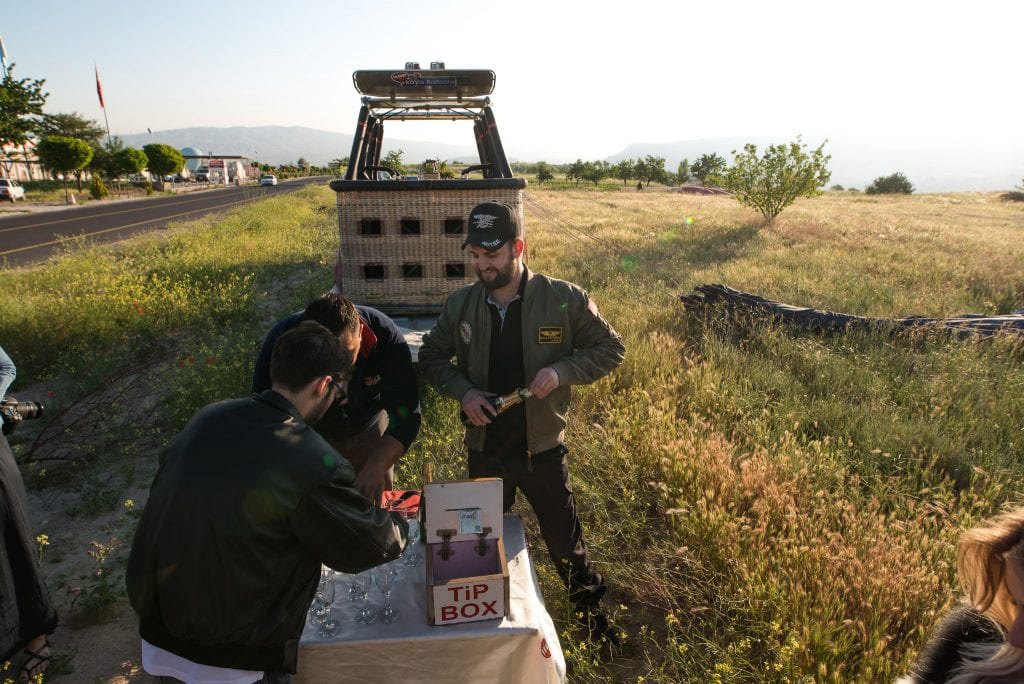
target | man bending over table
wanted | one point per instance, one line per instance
(248, 502)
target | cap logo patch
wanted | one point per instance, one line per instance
(484, 221)
(549, 334)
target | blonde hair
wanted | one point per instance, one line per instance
(981, 566)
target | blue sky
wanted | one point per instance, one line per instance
(574, 79)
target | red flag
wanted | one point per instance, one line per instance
(99, 88)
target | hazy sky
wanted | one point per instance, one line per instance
(574, 79)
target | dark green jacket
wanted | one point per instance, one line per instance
(248, 502)
(561, 329)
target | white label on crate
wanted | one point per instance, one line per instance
(481, 600)
(470, 521)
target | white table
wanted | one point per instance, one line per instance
(523, 647)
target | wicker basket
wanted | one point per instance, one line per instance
(400, 244)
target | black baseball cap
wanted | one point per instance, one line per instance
(490, 226)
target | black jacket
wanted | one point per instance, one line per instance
(942, 654)
(247, 503)
(382, 379)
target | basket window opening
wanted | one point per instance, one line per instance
(410, 226)
(371, 226)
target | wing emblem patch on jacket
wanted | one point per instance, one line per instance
(550, 334)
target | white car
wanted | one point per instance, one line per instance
(268, 179)
(9, 189)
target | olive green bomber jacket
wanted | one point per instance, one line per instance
(561, 328)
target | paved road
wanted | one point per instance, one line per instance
(32, 237)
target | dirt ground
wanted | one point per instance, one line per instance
(86, 650)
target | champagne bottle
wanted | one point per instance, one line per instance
(500, 403)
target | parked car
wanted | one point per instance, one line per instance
(9, 189)
(203, 174)
(268, 179)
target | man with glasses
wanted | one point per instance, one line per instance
(380, 418)
(248, 502)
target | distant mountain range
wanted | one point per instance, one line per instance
(949, 167)
(286, 144)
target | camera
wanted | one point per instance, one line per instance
(14, 411)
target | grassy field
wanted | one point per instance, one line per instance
(768, 506)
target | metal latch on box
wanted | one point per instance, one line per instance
(446, 543)
(481, 548)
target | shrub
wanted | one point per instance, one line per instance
(97, 190)
(773, 181)
(895, 184)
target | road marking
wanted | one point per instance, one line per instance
(108, 213)
(108, 230)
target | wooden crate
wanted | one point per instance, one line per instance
(400, 247)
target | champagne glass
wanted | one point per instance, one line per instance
(356, 588)
(365, 615)
(385, 581)
(411, 557)
(329, 626)
(318, 613)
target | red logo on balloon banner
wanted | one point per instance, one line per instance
(544, 650)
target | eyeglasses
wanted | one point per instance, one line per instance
(339, 389)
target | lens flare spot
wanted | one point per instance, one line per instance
(628, 263)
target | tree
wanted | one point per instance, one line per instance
(64, 155)
(303, 165)
(72, 125)
(707, 166)
(624, 170)
(129, 160)
(894, 184)
(596, 170)
(772, 182)
(683, 172)
(544, 172)
(577, 171)
(393, 162)
(21, 101)
(652, 169)
(163, 159)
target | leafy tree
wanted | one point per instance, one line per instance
(163, 159)
(596, 170)
(64, 155)
(393, 161)
(624, 170)
(21, 101)
(652, 169)
(772, 182)
(72, 125)
(893, 184)
(577, 171)
(707, 166)
(445, 171)
(129, 161)
(303, 164)
(683, 172)
(544, 172)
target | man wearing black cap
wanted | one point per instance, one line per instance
(515, 329)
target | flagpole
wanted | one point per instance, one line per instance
(99, 92)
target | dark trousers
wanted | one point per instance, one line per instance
(544, 480)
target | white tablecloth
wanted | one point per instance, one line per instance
(520, 648)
